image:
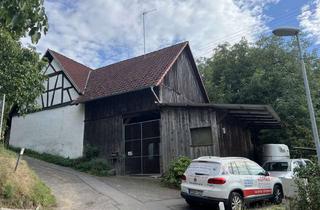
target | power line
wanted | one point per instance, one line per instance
(291, 13)
(283, 19)
(209, 49)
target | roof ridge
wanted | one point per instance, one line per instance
(70, 59)
(87, 81)
(116, 63)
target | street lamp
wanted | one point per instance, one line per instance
(289, 31)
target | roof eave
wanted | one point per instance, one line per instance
(107, 96)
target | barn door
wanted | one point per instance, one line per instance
(142, 142)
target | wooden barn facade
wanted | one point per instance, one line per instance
(144, 112)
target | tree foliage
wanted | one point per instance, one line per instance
(308, 183)
(20, 73)
(21, 17)
(265, 72)
(20, 67)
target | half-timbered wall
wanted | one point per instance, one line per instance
(176, 136)
(58, 88)
(56, 131)
(59, 127)
(181, 84)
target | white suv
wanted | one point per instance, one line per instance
(231, 180)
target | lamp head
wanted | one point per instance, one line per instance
(286, 31)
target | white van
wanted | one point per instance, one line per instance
(275, 152)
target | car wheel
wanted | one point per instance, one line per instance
(277, 195)
(235, 202)
(191, 203)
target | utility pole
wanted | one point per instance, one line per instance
(144, 28)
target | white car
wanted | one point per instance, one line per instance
(284, 168)
(231, 180)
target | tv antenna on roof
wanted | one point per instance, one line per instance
(144, 28)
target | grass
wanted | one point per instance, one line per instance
(90, 163)
(21, 189)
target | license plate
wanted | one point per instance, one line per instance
(195, 192)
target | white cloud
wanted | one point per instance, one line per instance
(99, 32)
(310, 20)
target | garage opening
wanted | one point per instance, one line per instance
(142, 144)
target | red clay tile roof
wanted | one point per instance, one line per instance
(76, 72)
(132, 74)
(129, 75)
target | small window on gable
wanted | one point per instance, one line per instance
(201, 136)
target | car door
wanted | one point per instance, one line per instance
(262, 182)
(235, 182)
(247, 181)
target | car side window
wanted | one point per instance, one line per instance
(242, 168)
(232, 168)
(254, 168)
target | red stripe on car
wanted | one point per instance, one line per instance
(256, 192)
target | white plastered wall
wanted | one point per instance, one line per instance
(57, 131)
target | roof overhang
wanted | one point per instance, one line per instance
(255, 116)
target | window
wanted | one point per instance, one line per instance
(201, 136)
(232, 168)
(277, 166)
(254, 168)
(242, 168)
(204, 168)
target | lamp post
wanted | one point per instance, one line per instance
(289, 31)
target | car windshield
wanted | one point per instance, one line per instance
(276, 166)
(203, 168)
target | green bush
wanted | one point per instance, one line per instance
(177, 167)
(90, 152)
(308, 182)
(97, 166)
(89, 163)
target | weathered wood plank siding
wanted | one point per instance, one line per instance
(236, 141)
(104, 122)
(176, 137)
(180, 85)
(106, 134)
(127, 103)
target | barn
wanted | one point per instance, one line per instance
(141, 113)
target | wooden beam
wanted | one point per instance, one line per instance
(252, 116)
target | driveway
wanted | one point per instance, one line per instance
(80, 191)
(76, 190)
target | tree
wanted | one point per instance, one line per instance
(20, 73)
(19, 17)
(265, 72)
(20, 67)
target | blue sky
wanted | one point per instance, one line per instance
(100, 32)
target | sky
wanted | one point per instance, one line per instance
(100, 32)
